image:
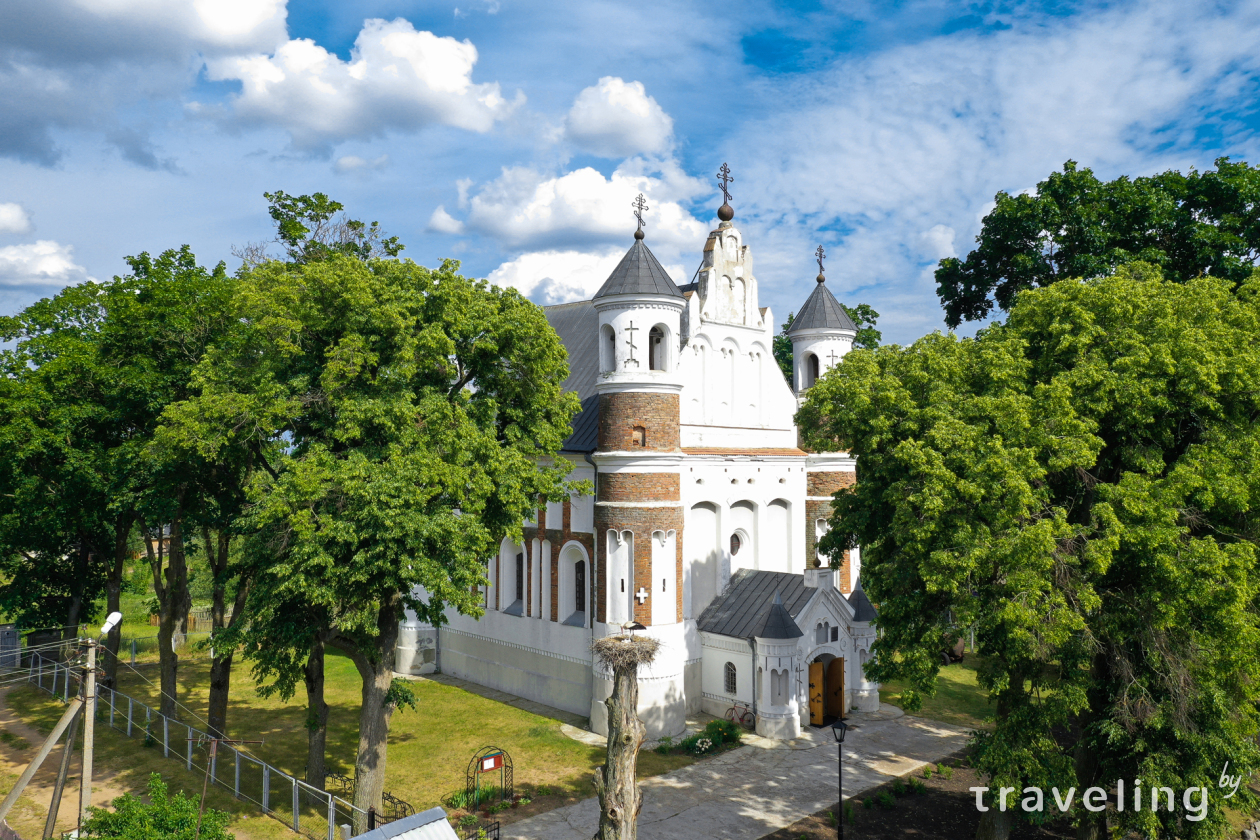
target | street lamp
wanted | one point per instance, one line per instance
(838, 730)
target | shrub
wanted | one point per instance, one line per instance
(543, 790)
(886, 800)
(917, 786)
(524, 800)
(848, 812)
(467, 821)
(665, 746)
(945, 770)
(724, 731)
(868, 803)
(165, 816)
(927, 772)
(831, 818)
(898, 788)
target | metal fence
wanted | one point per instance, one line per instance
(306, 809)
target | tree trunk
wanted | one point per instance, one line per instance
(174, 601)
(74, 613)
(619, 796)
(995, 824)
(113, 597)
(316, 717)
(1091, 826)
(377, 674)
(221, 659)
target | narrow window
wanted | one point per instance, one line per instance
(835, 633)
(638, 436)
(730, 678)
(736, 544)
(656, 349)
(579, 585)
(813, 369)
(820, 635)
(520, 577)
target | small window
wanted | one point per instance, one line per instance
(579, 586)
(638, 436)
(520, 577)
(656, 349)
(730, 677)
(736, 544)
(835, 634)
(820, 635)
(811, 375)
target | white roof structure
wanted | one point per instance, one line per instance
(427, 825)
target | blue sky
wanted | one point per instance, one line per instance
(512, 136)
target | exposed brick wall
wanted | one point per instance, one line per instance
(641, 522)
(656, 414)
(815, 510)
(639, 487)
(558, 537)
(827, 483)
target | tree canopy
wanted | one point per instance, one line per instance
(1077, 226)
(1081, 485)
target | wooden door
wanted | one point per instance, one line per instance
(835, 687)
(816, 693)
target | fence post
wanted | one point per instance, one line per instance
(332, 817)
(188, 760)
(166, 736)
(129, 716)
(267, 787)
(214, 765)
(236, 784)
(54, 685)
(297, 825)
(133, 651)
(112, 694)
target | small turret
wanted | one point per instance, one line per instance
(821, 333)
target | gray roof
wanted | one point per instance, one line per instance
(427, 825)
(863, 609)
(638, 273)
(822, 311)
(577, 324)
(742, 608)
(778, 624)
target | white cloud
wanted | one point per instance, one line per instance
(397, 78)
(617, 119)
(352, 163)
(443, 222)
(560, 276)
(937, 242)
(41, 263)
(13, 219)
(526, 208)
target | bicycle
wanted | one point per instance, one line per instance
(741, 714)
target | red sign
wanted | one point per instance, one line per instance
(491, 762)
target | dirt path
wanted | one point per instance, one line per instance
(28, 816)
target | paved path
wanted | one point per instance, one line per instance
(762, 787)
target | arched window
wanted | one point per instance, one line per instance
(656, 349)
(736, 544)
(729, 677)
(607, 349)
(638, 436)
(761, 694)
(579, 586)
(811, 369)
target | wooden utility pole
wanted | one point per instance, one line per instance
(89, 731)
(54, 807)
(44, 750)
(619, 796)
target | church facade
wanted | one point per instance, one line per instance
(704, 520)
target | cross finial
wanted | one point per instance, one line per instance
(820, 254)
(639, 205)
(725, 212)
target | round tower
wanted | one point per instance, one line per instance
(821, 333)
(778, 653)
(638, 507)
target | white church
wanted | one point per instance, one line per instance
(704, 520)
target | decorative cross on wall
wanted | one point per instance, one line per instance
(833, 358)
(724, 175)
(642, 594)
(632, 329)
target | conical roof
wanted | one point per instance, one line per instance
(822, 312)
(638, 273)
(863, 609)
(778, 623)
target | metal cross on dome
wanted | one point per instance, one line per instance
(820, 254)
(639, 205)
(724, 175)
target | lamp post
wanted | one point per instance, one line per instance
(838, 730)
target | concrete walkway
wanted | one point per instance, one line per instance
(763, 786)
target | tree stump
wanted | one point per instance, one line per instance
(615, 783)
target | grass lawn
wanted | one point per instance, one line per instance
(959, 699)
(429, 748)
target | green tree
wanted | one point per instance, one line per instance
(1076, 226)
(1081, 485)
(417, 413)
(309, 230)
(863, 315)
(163, 817)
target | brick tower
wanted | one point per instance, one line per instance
(638, 508)
(822, 333)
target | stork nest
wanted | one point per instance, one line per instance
(620, 652)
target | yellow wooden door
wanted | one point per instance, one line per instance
(834, 704)
(816, 693)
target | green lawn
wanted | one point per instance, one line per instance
(959, 699)
(429, 748)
